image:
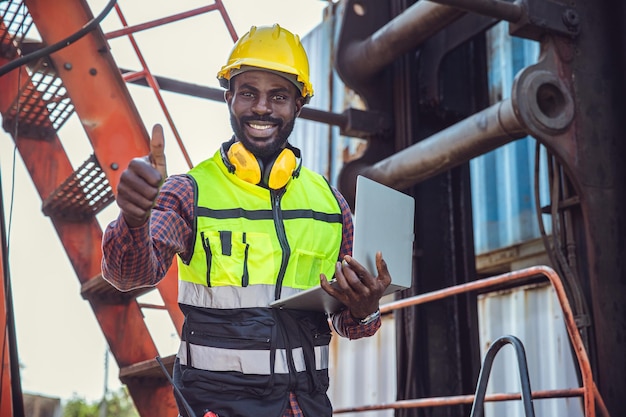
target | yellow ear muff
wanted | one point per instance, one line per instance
(246, 165)
(279, 173)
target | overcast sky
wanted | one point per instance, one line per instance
(61, 348)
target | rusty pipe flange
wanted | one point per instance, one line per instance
(542, 101)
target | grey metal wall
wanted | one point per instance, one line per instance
(363, 371)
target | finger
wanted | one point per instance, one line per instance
(381, 267)
(141, 171)
(137, 189)
(338, 279)
(324, 282)
(133, 206)
(157, 150)
(347, 279)
(133, 215)
(362, 275)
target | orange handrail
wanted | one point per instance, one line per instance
(589, 391)
(145, 71)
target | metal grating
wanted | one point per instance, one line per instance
(42, 105)
(82, 195)
(15, 23)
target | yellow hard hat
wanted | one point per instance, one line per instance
(271, 48)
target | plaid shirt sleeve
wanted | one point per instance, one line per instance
(140, 257)
(348, 226)
(343, 322)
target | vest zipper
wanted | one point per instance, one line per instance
(209, 258)
(277, 214)
(245, 279)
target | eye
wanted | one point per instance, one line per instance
(246, 94)
(280, 97)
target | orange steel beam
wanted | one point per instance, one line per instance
(117, 134)
(94, 83)
(145, 73)
(155, 88)
(591, 396)
(48, 165)
(100, 98)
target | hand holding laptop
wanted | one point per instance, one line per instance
(384, 220)
(356, 288)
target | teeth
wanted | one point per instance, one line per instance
(259, 127)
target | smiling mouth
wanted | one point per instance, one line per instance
(259, 126)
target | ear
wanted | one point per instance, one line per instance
(228, 96)
(299, 105)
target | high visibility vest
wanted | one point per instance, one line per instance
(251, 246)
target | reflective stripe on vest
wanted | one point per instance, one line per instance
(228, 297)
(248, 361)
(247, 236)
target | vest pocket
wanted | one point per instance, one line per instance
(304, 272)
(238, 258)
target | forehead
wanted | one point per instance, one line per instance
(263, 80)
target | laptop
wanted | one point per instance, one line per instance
(383, 221)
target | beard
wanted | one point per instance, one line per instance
(274, 145)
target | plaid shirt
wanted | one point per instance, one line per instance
(140, 257)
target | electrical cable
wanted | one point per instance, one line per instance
(9, 334)
(88, 27)
(177, 393)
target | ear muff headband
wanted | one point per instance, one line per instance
(248, 168)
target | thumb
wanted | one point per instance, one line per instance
(157, 150)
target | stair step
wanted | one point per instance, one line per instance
(42, 106)
(16, 22)
(99, 289)
(149, 369)
(84, 194)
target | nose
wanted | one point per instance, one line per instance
(261, 106)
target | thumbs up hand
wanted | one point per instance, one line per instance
(140, 183)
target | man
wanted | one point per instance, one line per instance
(249, 225)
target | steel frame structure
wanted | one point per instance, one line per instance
(101, 100)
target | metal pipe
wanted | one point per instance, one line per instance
(323, 116)
(463, 399)
(480, 133)
(363, 59)
(217, 94)
(503, 10)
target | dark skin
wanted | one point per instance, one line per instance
(263, 107)
(140, 182)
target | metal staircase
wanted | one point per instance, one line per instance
(35, 101)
